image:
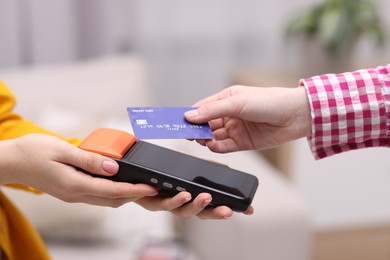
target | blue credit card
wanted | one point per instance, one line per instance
(166, 123)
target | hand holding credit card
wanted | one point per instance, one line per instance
(165, 123)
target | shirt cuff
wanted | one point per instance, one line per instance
(349, 110)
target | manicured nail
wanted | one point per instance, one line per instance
(191, 113)
(110, 167)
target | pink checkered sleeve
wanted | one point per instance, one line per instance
(349, 110)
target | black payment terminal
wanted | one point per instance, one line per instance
(172, 171)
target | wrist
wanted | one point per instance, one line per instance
(6, 161)
(303, 115)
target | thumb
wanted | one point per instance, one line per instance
(92, 162)
(212, 110)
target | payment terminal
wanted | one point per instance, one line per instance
(172, 171)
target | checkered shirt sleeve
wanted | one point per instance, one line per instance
(349, 110)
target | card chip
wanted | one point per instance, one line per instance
(141, 122)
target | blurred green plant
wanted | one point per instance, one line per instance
(338, 24)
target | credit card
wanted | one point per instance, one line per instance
(166, 123)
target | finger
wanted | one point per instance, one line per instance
(222, 146)
(104, 188)
(90, 162)
(227, 92)
(106, 202)
(195, 207)
(202, 141)
(221, 212)
(208, 99)
(213, 110)
(216, 124)
(249, 211)
(221, 134)
(165, 203)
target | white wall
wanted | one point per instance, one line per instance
(191, 47)
(346, 190)
(10, 43)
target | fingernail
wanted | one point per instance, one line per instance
(205, 203)
(110, 167)
(191, 113)
(153, 194)
(187, 199)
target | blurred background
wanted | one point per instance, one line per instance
(122, 53)
(191, 48)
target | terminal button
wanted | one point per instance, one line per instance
(168, 185)
(180, 188)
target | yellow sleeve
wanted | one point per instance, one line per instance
(18, 238)
(12, 125)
